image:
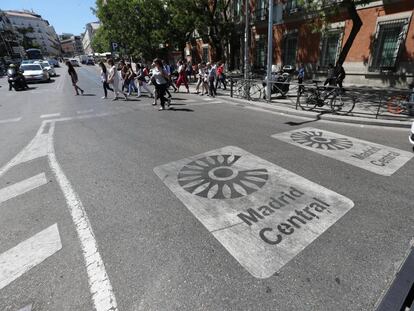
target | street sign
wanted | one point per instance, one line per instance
(261, 213)
(114, 47)
(370, 156)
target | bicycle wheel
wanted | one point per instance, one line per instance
(308, 99)
(237, 89)
(342, 103)
(255, 92)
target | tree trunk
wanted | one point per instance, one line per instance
(356, 26)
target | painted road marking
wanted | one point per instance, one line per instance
(99, 284)
(370, 156)
(10, 120)
(28, 254)
(50, 115)
(263, 214)
(84, 111)
(22, 187)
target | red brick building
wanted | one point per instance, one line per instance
(381, 55)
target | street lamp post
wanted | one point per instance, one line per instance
(246, 39)
(269, 50)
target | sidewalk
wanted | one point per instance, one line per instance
(368, 101)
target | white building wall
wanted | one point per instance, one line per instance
(43, 34)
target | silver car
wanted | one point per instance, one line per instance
(49, 67)
(35, 73)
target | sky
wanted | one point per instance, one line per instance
(68, 16)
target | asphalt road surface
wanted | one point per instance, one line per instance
(114, 205)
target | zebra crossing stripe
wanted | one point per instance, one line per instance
(28, 254)
(22, 187)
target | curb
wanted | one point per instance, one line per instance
(321, 116)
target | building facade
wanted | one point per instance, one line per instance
(382, 53)
(90, 30)
(34, 31)
(71, 45)
(10, 47)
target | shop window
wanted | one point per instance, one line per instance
(389, 38)
(330, 48)
(289, 49)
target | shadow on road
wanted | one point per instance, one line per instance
(181, 109)
(88, 94)
(318, 117)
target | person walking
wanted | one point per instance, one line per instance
(74, 77)
(301, 76)
(221, 78)
(202, 79)
(113, 79)
(182, 76)
(167, 69)
(130, 78)
(211, 74)
(142, 74)
(104, 79)
(160, 80)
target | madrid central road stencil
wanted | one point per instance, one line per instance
(261, 213)
(370, 156)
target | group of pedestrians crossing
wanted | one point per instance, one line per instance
(122, 80)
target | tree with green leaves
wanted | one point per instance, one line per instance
(138, 26)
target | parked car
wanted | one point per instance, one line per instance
(74, 62)
(35, 73)
(45, 64)
(90, 61)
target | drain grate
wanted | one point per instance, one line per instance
(400, 296)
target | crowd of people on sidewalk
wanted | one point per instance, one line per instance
(123, 80)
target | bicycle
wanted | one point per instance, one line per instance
(248, 89)
(335, 97)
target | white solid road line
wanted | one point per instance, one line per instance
(22, 187)
(84, 111)
(100, 286)
(28, 254)
(10, 120)
(50, 115)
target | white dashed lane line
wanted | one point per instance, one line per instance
(10, 120)
(50, 115)
(22, 187)
(28, 254)
(84, 111)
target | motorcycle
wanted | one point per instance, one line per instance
(280, 81)
(16, 80)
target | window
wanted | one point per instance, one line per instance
(261, 52)
(330, 48)
(205, 54)
(237, 12)
(289, 49)
(292, 6)
(388, 39)
(261, 10)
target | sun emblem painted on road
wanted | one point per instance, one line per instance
(214, 177)
(315, 139)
